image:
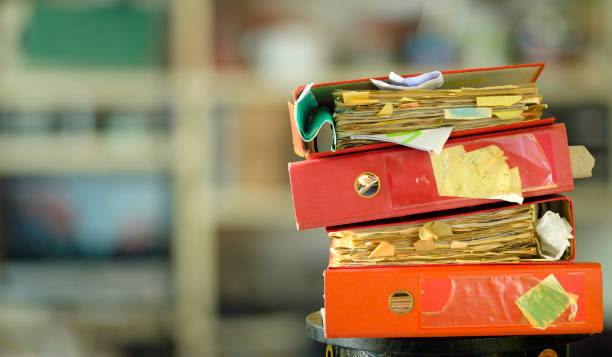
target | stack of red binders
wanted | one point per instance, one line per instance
(415, 252)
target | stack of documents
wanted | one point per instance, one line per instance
(370, 112)
(504, 236)
(453, 224)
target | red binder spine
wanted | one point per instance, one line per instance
(463, 301)
(324, 191)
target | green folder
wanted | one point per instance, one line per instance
(310, 117)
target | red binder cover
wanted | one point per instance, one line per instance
(475, 77)
(324, 190)
(566, 210)
(463, 300)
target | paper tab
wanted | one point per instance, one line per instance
(424, 245)
(508, 114)
(383, 249)
(582, 161)
(426, 140)
(467, 113)
(386, 110)
(498, 100)
(458, 244)
(357, 98)
(409, 105)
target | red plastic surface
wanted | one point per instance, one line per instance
(472, 300)
(324, 194)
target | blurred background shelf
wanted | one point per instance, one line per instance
(61, 154)
(253, 207)
(66, 88)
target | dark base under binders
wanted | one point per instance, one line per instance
(503, 346)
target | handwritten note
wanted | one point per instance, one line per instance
(481, 173)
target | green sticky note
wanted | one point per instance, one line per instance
(544, 303)
(310, 117)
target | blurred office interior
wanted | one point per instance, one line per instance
(146, 209)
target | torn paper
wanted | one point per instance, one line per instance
(434, 230)
(426, 140)
(480, 173)
(555, 232)
(544, 303)
(424, 245)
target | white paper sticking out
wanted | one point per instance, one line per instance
(511, 197)
(555, 233)
(427, 140)
(430, 80)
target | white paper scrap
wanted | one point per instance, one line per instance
(430, 80)
(555, 232)
(426, 140)
(510, 197)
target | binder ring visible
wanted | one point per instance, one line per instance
(401, 302)
(329, 351)
(367, 185)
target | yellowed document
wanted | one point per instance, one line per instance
(481, 173)
(498, 100)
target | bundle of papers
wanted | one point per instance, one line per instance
(372, 112)
(506, 235)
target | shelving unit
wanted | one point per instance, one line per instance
(188, 314)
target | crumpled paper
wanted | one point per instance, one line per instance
(555, 232)
(430, 80)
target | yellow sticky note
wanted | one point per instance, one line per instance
(357, 98)
(531, 100)
(508, 114)
(497, 100)
(386, 110)
(544, 303)
(406, 99)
